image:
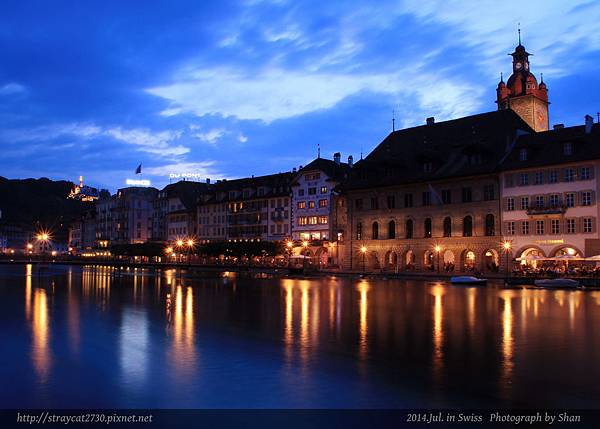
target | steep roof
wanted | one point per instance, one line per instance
(462, 147)
(188, 192)
(547, 148)
(276, 185)
(334, 170)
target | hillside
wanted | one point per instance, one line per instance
(39, 203)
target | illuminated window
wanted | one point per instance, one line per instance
(323, 189)
(312, 220)
(323, 220)
(311, 204)
(322, 203)
(302, 220)
(301, 204)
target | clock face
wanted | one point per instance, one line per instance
(518, 66)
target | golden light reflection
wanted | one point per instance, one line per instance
(41, 333)
(363, 289)
(288, 332)
(471, 308)
(28, 288)
(507, 341)
(438, 329)
(183, 347)
(304, 339)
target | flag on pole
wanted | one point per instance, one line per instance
(138, 170)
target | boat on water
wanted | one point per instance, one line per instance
(557, 283)
(467, 280)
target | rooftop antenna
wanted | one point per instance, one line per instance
(542, 76)
(393, 120)
(318, 150)
(361, 151)
(519, 30)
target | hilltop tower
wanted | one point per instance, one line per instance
(522, 93)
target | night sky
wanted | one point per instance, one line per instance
(230, 89)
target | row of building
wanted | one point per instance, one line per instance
(469, 193)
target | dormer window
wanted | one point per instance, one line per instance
(568, 148)
(523, 155)
(427, 167)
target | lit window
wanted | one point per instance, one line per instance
(312, 220)
(323, 189)
(311, 204)
(322, 203)
(302, 220)
(323, 220)
(301, 204)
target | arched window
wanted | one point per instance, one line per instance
(467, 226)
(447, 227)
(391, 229)
(490, 227)
(427, 225)
(359, 231)
(375, 231)
(409, 228)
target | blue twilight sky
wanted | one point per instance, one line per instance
(229, 89)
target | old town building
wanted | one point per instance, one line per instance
(427, 197)
(312, 197)
(549, 186)
(132, 215)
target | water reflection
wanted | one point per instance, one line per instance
(303, 339)
(438, 332)
(183, 352)
(363, 289)
(40, 351)
(507, 342)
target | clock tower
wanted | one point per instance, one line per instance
(522, 93)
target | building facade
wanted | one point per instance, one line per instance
(313, 198)
(549, 186)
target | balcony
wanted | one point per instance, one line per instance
(547, 209)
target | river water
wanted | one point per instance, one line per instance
(99, 337)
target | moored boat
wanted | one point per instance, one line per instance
(557, 283)
(467, 280)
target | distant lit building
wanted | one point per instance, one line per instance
(83, 192)
(132, 215)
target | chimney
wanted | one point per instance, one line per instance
(207, 181)
(430, 120)
(350, 161)
(558, 126)
(589, 123)
(336, 157)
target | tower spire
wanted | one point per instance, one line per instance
(393, 120)
(501, 77)
(519, 30)
(318, 150)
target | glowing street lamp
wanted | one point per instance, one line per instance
(438, 248)
(507, 245)
(363, 250)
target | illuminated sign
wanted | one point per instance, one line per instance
(185, 176)
(133, 182)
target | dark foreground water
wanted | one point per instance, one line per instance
(95, 337)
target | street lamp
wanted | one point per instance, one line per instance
(305, 245)
(438, 248)
(363, 250)
(507, 245)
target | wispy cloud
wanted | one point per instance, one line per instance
(145, 140)
(278, 94)
(12, 88)
(211, 136)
